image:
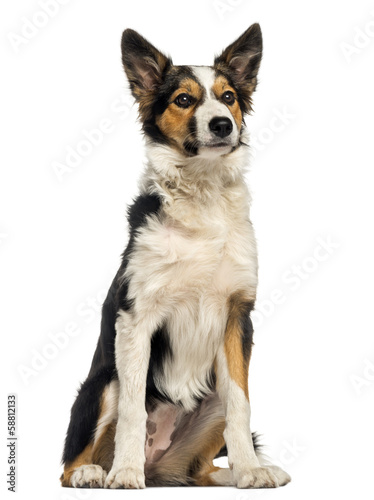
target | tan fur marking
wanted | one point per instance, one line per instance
(205, 479)
(212, 444)
(145, 105)
(103, 449)
(174, 120)
(190, 87)
(220, 86)
(103, 452)
(103, 411)
(237, 365)
(84, 458)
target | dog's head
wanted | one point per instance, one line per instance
(199, 110)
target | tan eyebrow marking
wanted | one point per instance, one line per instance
(221, 85)
(189, 86)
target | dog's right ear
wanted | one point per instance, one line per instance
(144, 64)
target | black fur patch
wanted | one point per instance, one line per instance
(85, 410)
(190, 145)
(85, 413)
(143, 206)
(247, 331)
(160, 351)
(143, 63)
(104, 354)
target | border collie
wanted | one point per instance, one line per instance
(167, 391)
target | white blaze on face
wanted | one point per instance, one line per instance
(209, 109)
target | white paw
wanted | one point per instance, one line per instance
(280, 474)
(88, 476)
(259, 477)
(125, 477)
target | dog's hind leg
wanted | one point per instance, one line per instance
(196, 438)
(184, 455)
(209, 475)
(89, 445)
(216, 476)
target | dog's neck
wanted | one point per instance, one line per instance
(171, 174)
(203, 195)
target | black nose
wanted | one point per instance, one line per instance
(221, 126)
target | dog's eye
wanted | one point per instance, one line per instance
(228, 97)
(183, 101)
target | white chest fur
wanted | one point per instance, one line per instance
(186, 262)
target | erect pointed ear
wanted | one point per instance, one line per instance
(144, 64)
(241, 61)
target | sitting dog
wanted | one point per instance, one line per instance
(167, 391)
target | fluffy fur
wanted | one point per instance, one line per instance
(167, 391)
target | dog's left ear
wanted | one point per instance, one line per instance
(143, 63)
(242, 60)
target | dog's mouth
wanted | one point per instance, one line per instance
(210, 148)
(217, 145)
(214, 149)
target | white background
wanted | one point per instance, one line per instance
(312, 371)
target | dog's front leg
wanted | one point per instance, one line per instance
(232, 382)
(132, 352)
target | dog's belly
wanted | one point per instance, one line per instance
(161, 423)
(186, 279)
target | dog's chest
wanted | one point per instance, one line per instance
(188, 271)
(195, 248)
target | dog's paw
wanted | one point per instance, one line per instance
(259, 477)
(280, 474)
(88, 476)
(125, 477)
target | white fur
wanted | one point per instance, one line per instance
(237, 433)
(246, 469)
(188, 262)
(208, 110)
(206, 77)
(277, 476)
(169, 173)
(132, 350)
(91, 476)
